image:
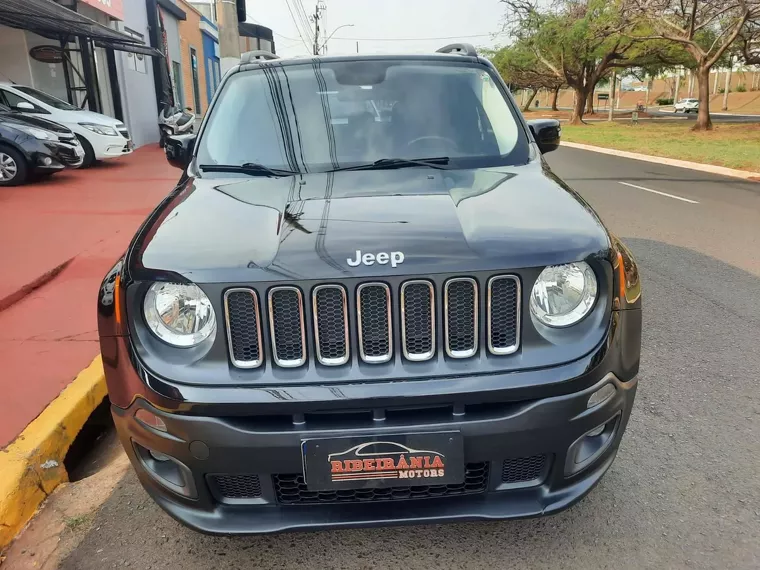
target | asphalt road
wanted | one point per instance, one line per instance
(685, 489)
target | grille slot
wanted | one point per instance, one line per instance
(241, 307)
(524, 471)
(236, 487)
(503, 314)
(418, 320)
(291, 490)
(374, 313)
(461, 317)
(331, 324)
(287, 326)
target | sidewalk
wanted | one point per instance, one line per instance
(79, 223)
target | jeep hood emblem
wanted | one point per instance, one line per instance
(395, 258)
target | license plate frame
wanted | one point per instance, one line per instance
(380, 461)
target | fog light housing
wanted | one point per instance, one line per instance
(601, 395)
(588, 448)
(46, 161)
(166, 471)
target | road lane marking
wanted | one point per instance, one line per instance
(660, 193)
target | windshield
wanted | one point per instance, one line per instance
(322, 116)
(45, 98)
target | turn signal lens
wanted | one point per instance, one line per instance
(150, 420)
(601, 395)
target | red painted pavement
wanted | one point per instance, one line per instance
(90, 215)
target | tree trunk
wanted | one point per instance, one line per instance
(704, 123)
(590, 102)
(728, 86)
(579, 106)
(715, 85)
(526, 105)
(554, 99)
(691, 84)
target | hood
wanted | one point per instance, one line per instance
(232, 229)
(85, 116)
(11, 118)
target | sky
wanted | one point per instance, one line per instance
(384, 26)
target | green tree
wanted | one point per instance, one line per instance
(521, 69)
(705, 28)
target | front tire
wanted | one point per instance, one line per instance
(14, 170)
(89, 153)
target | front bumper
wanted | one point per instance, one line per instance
(263, 452)
(105, 146)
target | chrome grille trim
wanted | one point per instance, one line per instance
(294, 363)
(503, 350)
(374, 359)
(257, 317)
(447, 326)
(417, 357)
(345, 357)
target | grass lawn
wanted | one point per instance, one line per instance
(734, 146)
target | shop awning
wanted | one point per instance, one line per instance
(51, 20)
(134, 48)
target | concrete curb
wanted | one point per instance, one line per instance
(722, 170)
(32, 465)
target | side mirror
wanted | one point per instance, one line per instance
(179, 150)
(24, 106)
(546, 133)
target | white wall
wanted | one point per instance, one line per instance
(14, 58)
(138, 91)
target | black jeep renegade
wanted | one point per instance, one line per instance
(369, 301)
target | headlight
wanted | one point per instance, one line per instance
(180, 315)
(563, 294)
(100, 129)
(41, 134)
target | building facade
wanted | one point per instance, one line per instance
(193, 60)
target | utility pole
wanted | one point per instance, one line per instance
(612, 94)
(318, 9)
(229, 38)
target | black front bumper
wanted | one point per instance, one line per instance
(264, 452)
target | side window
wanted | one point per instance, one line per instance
(13, 100)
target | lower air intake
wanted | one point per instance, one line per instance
(291, 490)
(524, 470)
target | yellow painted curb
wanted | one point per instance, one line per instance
(32, 465)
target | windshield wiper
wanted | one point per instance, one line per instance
(387, 163)
(249, 168)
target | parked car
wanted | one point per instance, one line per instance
(32, 146)
(101, 136)
(686, 106)
(334, 321)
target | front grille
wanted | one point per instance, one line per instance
(374, 313)
(521, 470)
(461, 314)
(235, 486)
(331, 324)
(336, 327)
(243, 327)
(287, 326)
(291, 489)
(418, 320)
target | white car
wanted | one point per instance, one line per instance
(101, 136)
(686, 106)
